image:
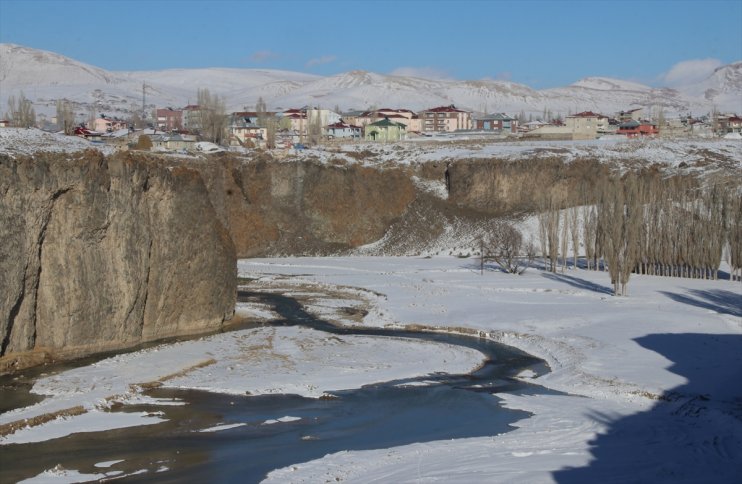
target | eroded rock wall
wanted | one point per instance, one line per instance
(305, 207)
(504, 188)
(103, 253)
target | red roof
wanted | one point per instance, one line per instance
(734, 119)
(445, 109)
(587, 114)
(341, 125)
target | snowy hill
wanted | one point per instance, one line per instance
(723, 88)
(23, 66)
(45, 77)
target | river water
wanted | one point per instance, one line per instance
(376, 416)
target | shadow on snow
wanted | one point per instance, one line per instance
(692, 434)
(719, 300)
(578, 283)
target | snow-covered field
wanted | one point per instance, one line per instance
(27, 141)
(705, 155)
(651, 381)
(646, 387)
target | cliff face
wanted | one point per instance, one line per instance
(105, 253)
(312, 208)
(503, 188)
(305, 207)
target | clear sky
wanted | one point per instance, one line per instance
(539, 43)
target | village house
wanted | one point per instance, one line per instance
(672, 127)
(191, 118)
(385, 130)
(630, 115)
(344, 130)
(4, 123)
(538, 125)
(445, 118)
(636, 129)
(104, 124)
(119, 139)
(587, 125)
(405, 116)
(364, 118)
(173, 142)
(352, 117)
(169, 119)
(286, 138)
(734, 124)
(88, 134)
(244, 127)
(297, 120)
(500, 122)
(323, 117)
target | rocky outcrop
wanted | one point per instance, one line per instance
(104, 253)
(506, 188)
(304, 207)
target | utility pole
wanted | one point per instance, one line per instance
(144, 98)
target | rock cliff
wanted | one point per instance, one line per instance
(304, 207)
(101, 253)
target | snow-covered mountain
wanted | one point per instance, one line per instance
(722, 87)
(45, 77)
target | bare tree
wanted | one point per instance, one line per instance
(589, 232)
(91, 117)
(549, 232)
(564, 239)
(65, 117)
(21, 112)
(574, 230)
(261, 109)
(314, 126)
(271, 127)
(734, 237)
(268, 121)
(504, 246)
(212, 116)
(619, 214)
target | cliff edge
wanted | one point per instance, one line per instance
(103, 253)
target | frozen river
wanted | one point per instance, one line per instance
(211, 436)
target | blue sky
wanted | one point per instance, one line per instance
(539, 43)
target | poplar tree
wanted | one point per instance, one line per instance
(65, 117)
(619, 214)
(21, 113)
(212, 116)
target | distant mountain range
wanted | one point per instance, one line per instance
(45, 77)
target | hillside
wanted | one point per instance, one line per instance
(45, 77)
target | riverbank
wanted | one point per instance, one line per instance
(641, 384)
(646, 376)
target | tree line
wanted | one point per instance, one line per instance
(648, 224)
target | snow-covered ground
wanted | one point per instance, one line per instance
(705, 155)
(260, 361)
(651, 381)
(27, 141)
(646, 387)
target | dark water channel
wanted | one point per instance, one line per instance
(373, 417)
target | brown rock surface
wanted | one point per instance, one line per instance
(304, 207)
(104, 253)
